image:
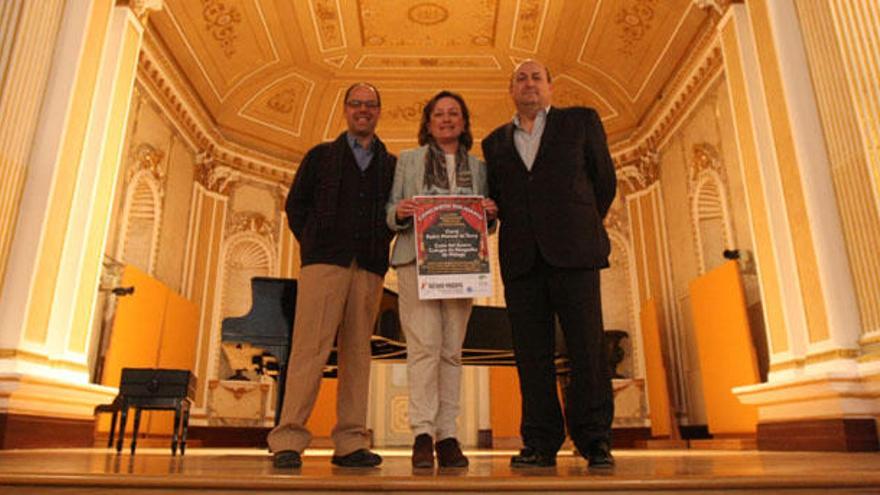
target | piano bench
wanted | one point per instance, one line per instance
(152, 390)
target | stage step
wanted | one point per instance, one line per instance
(240, 471)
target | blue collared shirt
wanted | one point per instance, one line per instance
(363, 156)
(527, 143)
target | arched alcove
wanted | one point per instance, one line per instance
(141, 221)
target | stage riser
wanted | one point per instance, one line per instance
(40, 490)
(27, 432)
(832, 435)
(245, 471)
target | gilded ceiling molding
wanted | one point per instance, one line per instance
(700, 70)
(440, 62)
(717, 6)
(161, 79)
(142, 8)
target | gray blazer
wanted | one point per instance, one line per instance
(409, 179)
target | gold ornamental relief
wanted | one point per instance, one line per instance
(421, 24)
(146, 158)
(248, 221)
(529, 24)
(634, 21)
(427, 13)
(220, 21)
(400, 414)
(328, 24)
(283, 102)
(406, 112)
(280, 106)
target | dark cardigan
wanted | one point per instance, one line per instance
(337, 212)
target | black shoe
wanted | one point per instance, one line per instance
(362, 458)
(287, 459)
(599, 456)
(530, 457)
(449, 454)
(423, 451)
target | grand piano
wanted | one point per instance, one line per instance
(268, 325)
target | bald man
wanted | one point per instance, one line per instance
(552, 177)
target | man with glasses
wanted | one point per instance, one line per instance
(336, 210)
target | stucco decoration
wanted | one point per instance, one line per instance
(710, 213)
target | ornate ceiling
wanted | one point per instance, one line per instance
(271, 73)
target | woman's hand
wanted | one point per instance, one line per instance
(406, 208)
(491, 209)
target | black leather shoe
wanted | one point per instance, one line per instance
(423, 451)
(599, 456)
(287, 459)
(362, 458)
(529, 457)
(449, 454)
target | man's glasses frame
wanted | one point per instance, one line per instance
(371, 104)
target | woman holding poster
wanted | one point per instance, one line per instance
(434, 329)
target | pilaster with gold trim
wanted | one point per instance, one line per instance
(810, 305)
(56, 250)
(201, 279)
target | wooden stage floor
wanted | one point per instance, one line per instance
(240, 471)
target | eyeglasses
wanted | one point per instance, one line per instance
(371, 104)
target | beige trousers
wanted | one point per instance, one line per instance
(330, 298)
(435, 331)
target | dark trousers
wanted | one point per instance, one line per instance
(533, 300)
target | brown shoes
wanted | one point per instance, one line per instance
(423, 452)
(449, 454)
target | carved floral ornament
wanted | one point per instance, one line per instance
(213, 175)
(706, 158)
(639, 167)
(251, 222)
(616, 220)
(146, 158)
(649, 166)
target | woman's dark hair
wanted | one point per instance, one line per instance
(466, 140)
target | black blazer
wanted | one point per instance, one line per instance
(558, 207)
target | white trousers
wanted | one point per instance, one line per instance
(435, 330)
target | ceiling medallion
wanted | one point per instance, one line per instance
(427, 13)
